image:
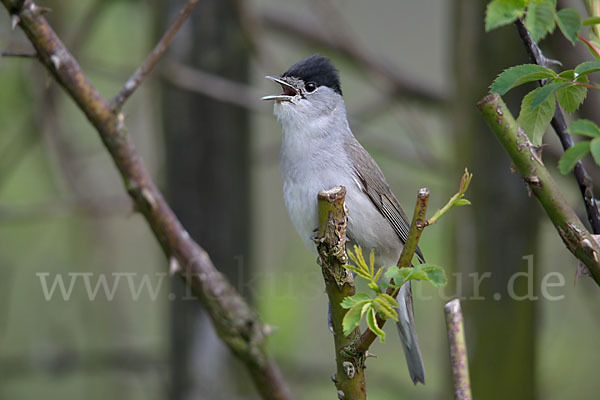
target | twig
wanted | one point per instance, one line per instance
(417, 225)
(235, 322)
(163, 44)
(211, 85)
(560, 127)
(529, 164)
(339, 283)
(19, 54)
(306, 29)
(458, 350)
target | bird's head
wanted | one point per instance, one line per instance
(311, 90)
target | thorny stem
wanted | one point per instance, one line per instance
(528, 163)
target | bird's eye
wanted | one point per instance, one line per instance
(310, 87)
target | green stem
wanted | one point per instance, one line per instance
(529, 164)
(339, 283)
(412, 241)
(458, 350)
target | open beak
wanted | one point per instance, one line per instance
(288, 90)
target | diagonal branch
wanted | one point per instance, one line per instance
(235, 322)
(528, 163)
(412, 241)
(163, 44)
(560, 127)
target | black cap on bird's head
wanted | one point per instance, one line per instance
(317, 69)
(304, 77)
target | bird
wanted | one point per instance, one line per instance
(318, 152)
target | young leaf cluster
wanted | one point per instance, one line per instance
(383, 304)
(538, 106)
(455, 201)
(541, 17)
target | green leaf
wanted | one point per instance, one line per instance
(587, 67)
(358, 298)
(378, 275)
(572, 155)
(358, 271)
(519, 75)
(535, 121)
(584, 127)
(384, 309)
(436, 275)
(569, 23)
(593, 43)
(352, 319)
(539, 20)
(391, 301)
(571, 97)
(462, 202)
(595, 150)
(546, 91)
(399, 275)
(372, 324)
(503, 12)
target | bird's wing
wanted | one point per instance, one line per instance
(375, 186)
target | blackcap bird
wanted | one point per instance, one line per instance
(318, 152)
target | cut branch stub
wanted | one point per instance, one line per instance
(458, 350)
(339, 283)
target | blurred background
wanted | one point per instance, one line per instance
(411, 75)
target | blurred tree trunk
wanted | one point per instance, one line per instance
(207, 174)
(500, 330)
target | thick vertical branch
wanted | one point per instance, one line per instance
(234, 320)
(529, 164)
(458, 350)
(339, 283)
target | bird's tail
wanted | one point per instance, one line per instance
(408, 335)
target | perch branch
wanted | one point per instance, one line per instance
(234, 320)
(339, 283)
(458, 350)
(560, 127)
(163, 44)
(412, 241)
(529, 164)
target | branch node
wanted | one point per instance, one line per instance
(55, 61)
(349, 369)
(174, 266)
(341, 395)
(14, 21)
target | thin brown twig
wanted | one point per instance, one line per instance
(163, 44)
(214, 86)
(307, 30)
(17, 54)
(236, 323)
(412, 241)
